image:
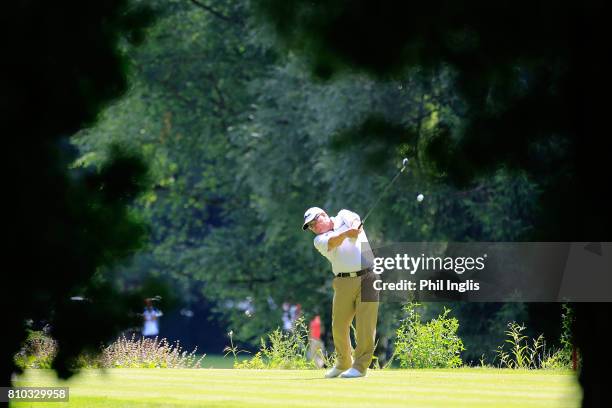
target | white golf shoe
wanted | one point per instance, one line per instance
(352, 373)
(333, 372)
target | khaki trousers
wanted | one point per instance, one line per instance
(347, 305)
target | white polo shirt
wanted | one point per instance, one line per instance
(346, 257)
(151, 322)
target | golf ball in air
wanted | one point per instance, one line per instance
(420, 198)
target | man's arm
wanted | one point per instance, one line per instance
(336, 241)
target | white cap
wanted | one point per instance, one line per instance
(310, 215)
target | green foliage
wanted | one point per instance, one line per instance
(283, 350)
(38, 351)
(189, 87)
(562, 358)
(147, 353)
(233, 349)
(556, 360)
(483, 334)
(521, 355)
(241, 142)
(434, 344)
(73, 222)
(329, 359)
(567, 321)
(524, 354)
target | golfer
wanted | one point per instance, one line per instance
(344, 243)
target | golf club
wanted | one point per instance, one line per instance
(404, 164)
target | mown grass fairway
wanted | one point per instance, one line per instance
(466, 387)
(218, 361)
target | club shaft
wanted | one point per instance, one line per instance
(381, 196)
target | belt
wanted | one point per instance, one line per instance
(353, 274)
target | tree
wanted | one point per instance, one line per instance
(534, 83)
(62, 66)
(189, 86)
(233, 183)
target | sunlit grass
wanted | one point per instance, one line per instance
(219, 361)
(463, 387)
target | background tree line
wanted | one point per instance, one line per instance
(241, 138)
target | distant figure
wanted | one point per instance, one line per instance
(151, 320)
(287, 323)
(290, 314)
(295, 312)
(316, 346)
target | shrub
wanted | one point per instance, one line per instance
(282, 350)
(147, 353)
(526, 355)
(434, 344)
(38, 351)
(556, 360)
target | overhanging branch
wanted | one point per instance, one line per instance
(214, 12)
